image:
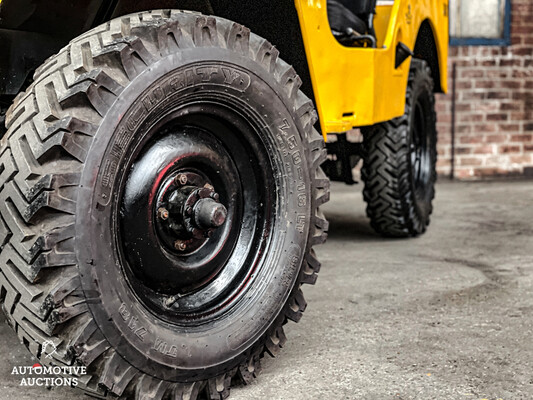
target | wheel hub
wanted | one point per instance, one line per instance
(177, 229)
(188, 212)
(193, 213)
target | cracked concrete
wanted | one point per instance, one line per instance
(448, 315)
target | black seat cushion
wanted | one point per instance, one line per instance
(341, 18)
(360, 7)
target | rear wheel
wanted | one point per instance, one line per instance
(160, 194)
(399, 162)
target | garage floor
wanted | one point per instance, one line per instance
(445, 316)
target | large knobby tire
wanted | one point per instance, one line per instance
(399, 168)
(197, 104)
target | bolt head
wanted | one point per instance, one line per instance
(171, 301)
(163, 213)
(181, 179)
(180, 245)
(208, 186)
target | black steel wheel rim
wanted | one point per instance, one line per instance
(195, 154)
(420, 158)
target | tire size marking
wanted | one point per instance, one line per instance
(179, 80)
(289, 147)
(294, 261)
(164, 348)
(132, 322)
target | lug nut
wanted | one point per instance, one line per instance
(181, 179)
(180, 245)
(171, 301)
(208, 186)
(163, 213)
(215, 196)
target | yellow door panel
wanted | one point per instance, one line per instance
(361, 86)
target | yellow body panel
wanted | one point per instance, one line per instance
(361, 86)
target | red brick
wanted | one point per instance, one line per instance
(463, 107)
(469, 161)
(518, 116)
(485, 84)
(475, 95)
(486, 149)
(464, 173)
(509, 149)
(510, 106)
(509, 127)
(523, 159)
(484, 172)
(471, 139)
(497, 117)
(486, 106)
(496, 138)
(463, 150)
(472, 73)
(485, 128)
(464, 129)
(498, 95)
(470, 117)
(463, 85)
(510, 84)
(521, 138)
(528, 127)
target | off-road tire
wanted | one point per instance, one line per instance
(395, 205)
(52, 128)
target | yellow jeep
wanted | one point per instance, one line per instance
(161, 174)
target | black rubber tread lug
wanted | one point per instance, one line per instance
(296, 306)
(186, 391)
(149, 388)
(246, 373)
(89, 344)
(238, 39)
(219, 388)
(268, 56)
(205, 32)
(97, 88)
(117, 374)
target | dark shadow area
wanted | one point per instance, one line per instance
(351, 227)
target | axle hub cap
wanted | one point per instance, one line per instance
(188, 212)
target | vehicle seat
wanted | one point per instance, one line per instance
(341, 19)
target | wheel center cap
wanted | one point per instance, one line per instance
(188, 211)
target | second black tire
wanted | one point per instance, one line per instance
(399, 169)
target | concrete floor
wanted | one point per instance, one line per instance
(445, 316)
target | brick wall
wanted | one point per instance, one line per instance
(494, 105)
